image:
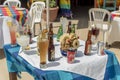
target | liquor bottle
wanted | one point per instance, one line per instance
(60, 32)
(73, 28)
(88, 43)
(30, 35)
(69, 27)
(51, 48)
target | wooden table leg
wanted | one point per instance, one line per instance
(12, 76)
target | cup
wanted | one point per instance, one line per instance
(42, 45)
(12, 29)
(100, 50)
(71, 55)
(23, 41)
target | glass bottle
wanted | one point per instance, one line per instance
(69, 27)
(51, 48)
(60, 32)
(30, 35)
(88, 43)
(73, 28)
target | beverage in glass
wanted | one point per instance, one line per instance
(43, 50)
(23, 41)
(12, 29)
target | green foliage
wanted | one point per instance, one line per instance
(52, 3)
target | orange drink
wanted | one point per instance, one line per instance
(13, 37)
(12, 28)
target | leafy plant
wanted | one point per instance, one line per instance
(52, 3)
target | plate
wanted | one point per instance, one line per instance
(20, 9)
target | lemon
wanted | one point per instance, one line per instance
(17, 34)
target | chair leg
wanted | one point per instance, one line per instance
(104, 38)
(40, 26)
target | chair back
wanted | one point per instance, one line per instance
(36, 10)
(99, 17)
(16, 3)
(36, 13)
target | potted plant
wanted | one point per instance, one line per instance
(53, 10)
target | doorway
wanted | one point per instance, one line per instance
(80, 12)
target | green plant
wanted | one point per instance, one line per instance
(52, 3)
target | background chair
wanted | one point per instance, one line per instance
(16, 3)
(35, 13)
(100, 18)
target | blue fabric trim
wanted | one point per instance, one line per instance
(16, 63)
(113, 68)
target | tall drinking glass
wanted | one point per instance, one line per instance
(42, 45)
(12, 29)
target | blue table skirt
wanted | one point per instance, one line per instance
(16, 63)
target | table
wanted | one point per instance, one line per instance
(20, 15)
(115, 28)
(16, 63)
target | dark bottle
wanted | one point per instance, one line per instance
(73, 28)
(30, 35)
(69, 27)
(88, 43)
(51, 48)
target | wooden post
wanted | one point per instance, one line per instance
(12, 76)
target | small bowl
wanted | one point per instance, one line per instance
(64, 53)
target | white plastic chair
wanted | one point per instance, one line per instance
(101, 19)
(35, 13)
(16, 3)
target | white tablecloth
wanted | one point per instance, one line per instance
(92, 66)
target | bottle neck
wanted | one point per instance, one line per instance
(89, 35)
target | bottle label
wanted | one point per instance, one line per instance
(70, 56)
(52, 52)
(89, 49)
